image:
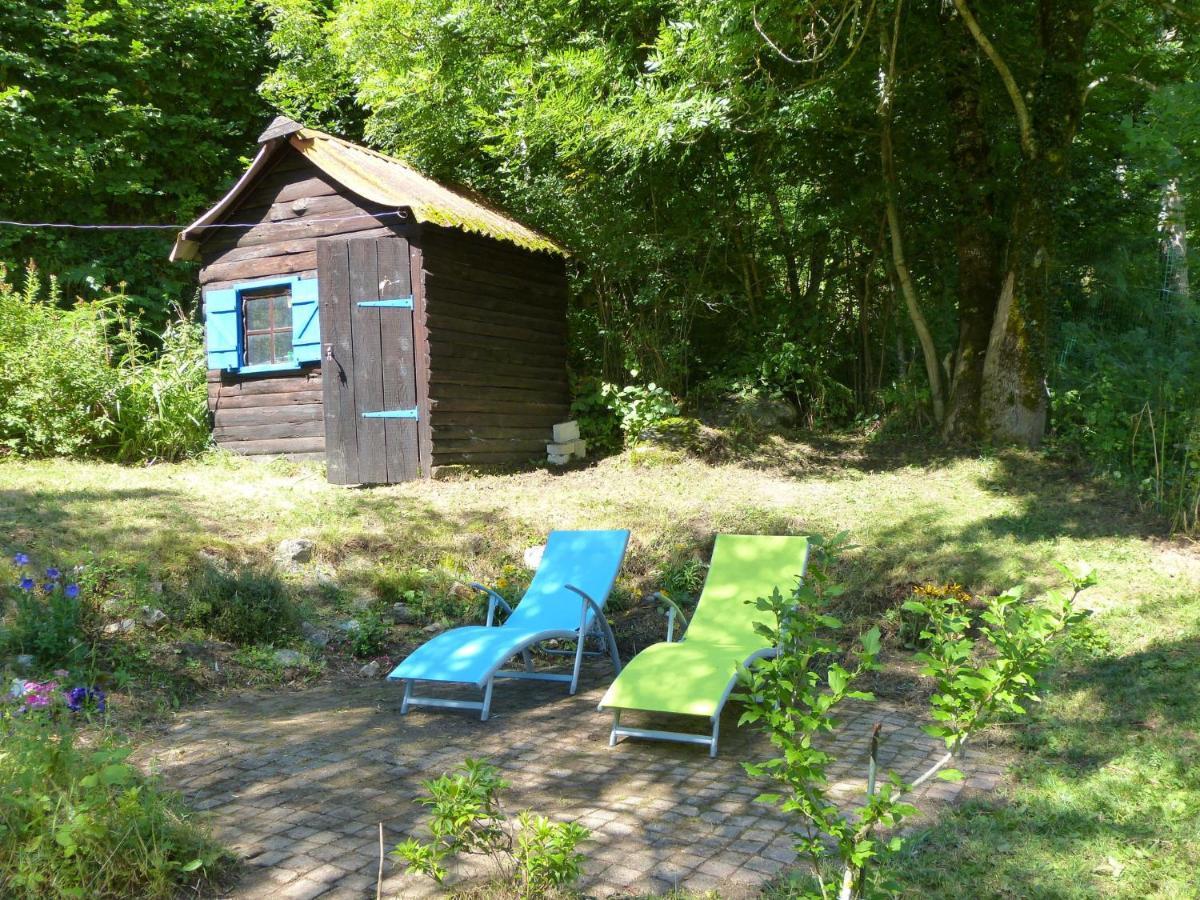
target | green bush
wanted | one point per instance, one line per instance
(370, 637)
(46, 624)
(534, 857)
(243, 607)
(606, 411)
(82, 382)
(430, 598)
(82, 822)
(1127, 406)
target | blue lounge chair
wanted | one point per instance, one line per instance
(565, 601)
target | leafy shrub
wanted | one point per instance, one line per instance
(243, 607)
(1127, 405)
(639, 408)
(430, 598)
(606, 412)
(162, 409)
(82, 822)
(800, 373)
(598, 422)
(81, 382)
(46, 616)
(928, 600)
(794, 697)
(369, 638)
(535, 856)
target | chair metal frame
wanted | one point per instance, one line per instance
(599, 629)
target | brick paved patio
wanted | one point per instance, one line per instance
(298, 782)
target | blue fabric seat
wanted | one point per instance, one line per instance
(564, 601)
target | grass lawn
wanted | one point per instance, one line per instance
(1104, 798)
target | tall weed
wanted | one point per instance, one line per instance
(83, 382)
(82, 822)
(1128, 405)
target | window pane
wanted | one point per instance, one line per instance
(283, 344)
(258, 350)
(283, 315)
(257, 313)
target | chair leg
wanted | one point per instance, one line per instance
(408, 688)
(712, 747)
(487, 701)
(528, 660)
(578, 665)
(612, 737)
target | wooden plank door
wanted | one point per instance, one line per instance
(368, 364)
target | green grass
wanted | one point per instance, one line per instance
(1104, 798)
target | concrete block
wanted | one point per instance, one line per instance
(566, 431)
(569, 448)
(558, 459)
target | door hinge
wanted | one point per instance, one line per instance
(396, 303)
(391, 414)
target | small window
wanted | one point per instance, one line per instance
(267, 326)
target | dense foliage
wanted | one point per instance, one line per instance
(131, 112)
(960, 218)
(80, 381)
(814, 201)
(78, 820)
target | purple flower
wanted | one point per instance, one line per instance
(79, 697)
(71, 590)
(52, 572)
(48, 586)
(21, 559)
(27, 584)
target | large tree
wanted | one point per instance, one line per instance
(830, 199)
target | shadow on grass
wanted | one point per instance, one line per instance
(1109, 773)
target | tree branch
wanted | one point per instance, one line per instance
(1133, 79)
(1024, 122)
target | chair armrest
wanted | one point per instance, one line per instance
(673, 611)
(493, 599)
(587, 601)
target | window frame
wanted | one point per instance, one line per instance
(250, 287)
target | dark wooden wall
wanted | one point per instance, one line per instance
(280, 413)
(495, 318)
(268, 414)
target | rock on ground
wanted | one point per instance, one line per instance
(293, 552)
(288, 658)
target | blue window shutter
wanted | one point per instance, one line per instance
(222, 329)
(306, 322)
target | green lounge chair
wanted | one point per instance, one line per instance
(694, 676)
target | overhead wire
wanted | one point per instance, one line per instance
(176, 227)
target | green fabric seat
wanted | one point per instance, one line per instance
(695, 676)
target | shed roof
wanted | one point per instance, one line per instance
(377, 177)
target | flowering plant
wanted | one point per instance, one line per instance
(47, 620)
(46, 695)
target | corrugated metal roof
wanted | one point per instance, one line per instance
(377, 177)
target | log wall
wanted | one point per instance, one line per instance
(495, 319)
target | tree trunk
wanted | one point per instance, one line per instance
(908, 290)
(1173, 224)
(788, 250)
(1013, 396)
(977, 244)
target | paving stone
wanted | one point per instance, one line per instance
(304, 889)
(284, 783)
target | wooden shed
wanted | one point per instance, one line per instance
(361, 313)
